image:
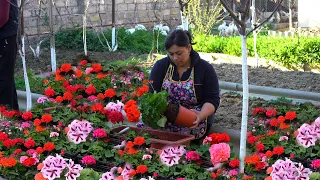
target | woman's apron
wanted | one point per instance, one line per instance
(183, 93)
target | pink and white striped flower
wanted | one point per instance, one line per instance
(79, 131)
(171, 155)
(73, 170)
(307, 136)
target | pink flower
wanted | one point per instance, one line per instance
(192, 156)
(146, 156)
(79, 131)
(92, 98)
(88, 160)
(53, 167)
(307, 136)
(30, 152)
(22, 158)
(287, 170)
(283, 138)
(89, 70)
(25, 125)
(109, 175)
(316, 126)
(180, 179)
(233, 172)
(219, 153)
(207, 140)
(99, 133)
(42, 100)
(54, 134)
(171, 155)
(315, 164)
(73, 170)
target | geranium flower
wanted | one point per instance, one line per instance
(49, 146)
(315, 164)
(49, 92)
(73, 170)
(234, 163)
(54, 134)
(126, 171)
(46, 118)
(29, 143)
(233, 172)
(139, 141)
(92, 98)
(259, 110)
(109, 175)
(42, 100)
(141, 169)
(146, 156)
(66, 67)
(53, 167)
(278, 150)
(271, 112)
(219, 152)
(192, 156)
(306, 137)
(287, 170)
(25, 125)
(88, 70)
(291, 115)
(27, 115)
(316, 127)
(115, 117)
(110, 93)
(91, 89)
(283, 138)
(88, 160)
(171, 155)
(99, 133)
(79, 130)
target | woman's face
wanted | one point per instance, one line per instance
(180, 55)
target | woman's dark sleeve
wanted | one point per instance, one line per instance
(211, 87)
(156, 76)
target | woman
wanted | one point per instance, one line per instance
(191, 81)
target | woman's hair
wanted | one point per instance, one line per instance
(178, 37)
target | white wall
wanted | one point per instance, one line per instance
(309, 13)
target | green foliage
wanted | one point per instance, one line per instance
(289, 52)
(89, 174)
(152, 107)
(139, 42)
(36, 83)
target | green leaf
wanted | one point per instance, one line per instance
(162, 122)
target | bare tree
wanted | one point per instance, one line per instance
(244, 10)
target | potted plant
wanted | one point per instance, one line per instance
(153, 106)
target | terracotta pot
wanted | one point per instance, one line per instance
(185, 117)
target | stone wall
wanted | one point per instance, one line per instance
(69, 13)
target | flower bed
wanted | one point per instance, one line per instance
(68, 135)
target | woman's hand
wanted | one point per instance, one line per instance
(198, 120)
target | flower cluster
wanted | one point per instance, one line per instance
(309, 134)
(216, 138)
(172, 154)
(79, 131)
(53, 166)
(289, 170)
(219, 153)
(132, 112)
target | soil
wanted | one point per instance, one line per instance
(230, 110)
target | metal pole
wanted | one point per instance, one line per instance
(52, 40)
(113, 41)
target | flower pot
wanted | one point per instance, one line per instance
(185, 117)
(160, 139)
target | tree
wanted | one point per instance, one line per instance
(244, 10)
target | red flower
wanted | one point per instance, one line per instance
(88, 160)
(97, 107)
(142, 169)
(3, 136)
(18, 140)
(291, 115)
(8, 143)
(49, 92)
(278, 150)
(110, 93)
(37, 122)
(29, 143)
(83, 62)
(27, 115)
(39, 150)
(17, 151)
(96, 68)
(252, 139)
(49, 146)
(46, 118)
(259, 110)
(139, 141)
(274, 122)
(91, 90)
(66, 68)
(271, 112)
(67, 96)
(219, 138)
(281, 119)
(259, 147)
(234, 163)
(142, 90)
(259, 166)
(29, 162)
(115, 117)
(269, 153)
(59, 99)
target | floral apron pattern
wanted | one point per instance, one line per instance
(183, 92)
